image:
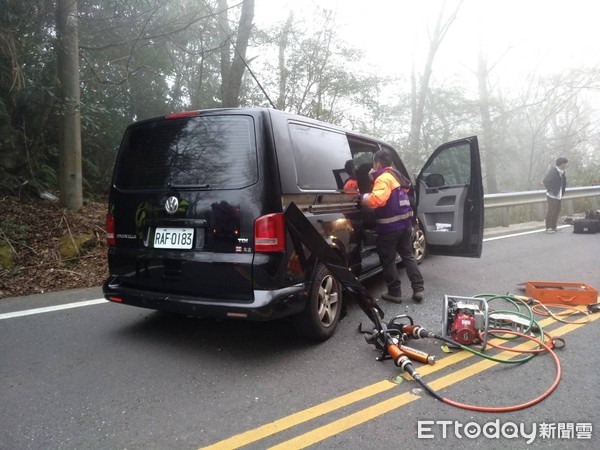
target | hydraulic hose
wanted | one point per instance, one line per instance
(416, 332)
(515, 301)
(522, 405)
(401, 359)
(483, 355)
(415, 375)
(545, 310)
(412, 372)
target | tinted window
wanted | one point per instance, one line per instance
(454, 164)
(212, 152)
(318, 154)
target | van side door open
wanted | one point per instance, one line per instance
(449, 193)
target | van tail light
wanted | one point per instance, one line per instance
(269, 234)
(110, 230)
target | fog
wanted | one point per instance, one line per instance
(520, 38)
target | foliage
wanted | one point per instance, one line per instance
(27, 80)
(310, 71)
(143, 58)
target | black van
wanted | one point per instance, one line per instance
(195, 223)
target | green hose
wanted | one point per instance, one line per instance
(515, 301)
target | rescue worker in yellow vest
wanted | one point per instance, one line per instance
(394, 226)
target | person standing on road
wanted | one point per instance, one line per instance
(394, 226)
(555, 183)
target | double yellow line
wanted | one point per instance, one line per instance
(321, 433)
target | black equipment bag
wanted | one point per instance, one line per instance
(586, 226)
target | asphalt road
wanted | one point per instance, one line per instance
(108, 376)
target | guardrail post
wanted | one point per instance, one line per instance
(594, 202)
(505, 217)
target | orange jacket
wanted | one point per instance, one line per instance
(382, 189)
(351, 185)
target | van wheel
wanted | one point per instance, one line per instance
(419, 243)
(323, 308)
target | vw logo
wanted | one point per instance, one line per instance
(172, 205)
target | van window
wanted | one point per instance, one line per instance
(454, 164)
(208, 152)
(318, 154)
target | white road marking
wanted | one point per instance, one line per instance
(543, 230)
(29, 312)
(512, 235)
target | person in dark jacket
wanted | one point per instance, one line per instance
(555, 183)
(394, 226)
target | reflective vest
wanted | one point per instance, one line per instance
(396, 214)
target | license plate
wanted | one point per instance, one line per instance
(174, 238)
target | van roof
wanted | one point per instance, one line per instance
(276, 112)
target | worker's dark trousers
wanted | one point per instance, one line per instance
(388, 244)
(552, 212)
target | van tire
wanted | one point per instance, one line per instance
(419, 243)
(321, 315)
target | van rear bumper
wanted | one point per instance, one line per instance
(267, 305)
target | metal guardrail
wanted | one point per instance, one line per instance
(506, 200)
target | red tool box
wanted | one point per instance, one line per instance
(561, 292)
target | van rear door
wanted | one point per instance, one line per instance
(184, 201)
(449, 192)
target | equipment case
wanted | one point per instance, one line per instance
(565, 293)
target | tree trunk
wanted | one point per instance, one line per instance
(283, 71)
(232, 74)
(486, 126)
(71, 194)
(420, 87)
(225, 48)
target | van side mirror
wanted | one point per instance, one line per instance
(434, 180)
